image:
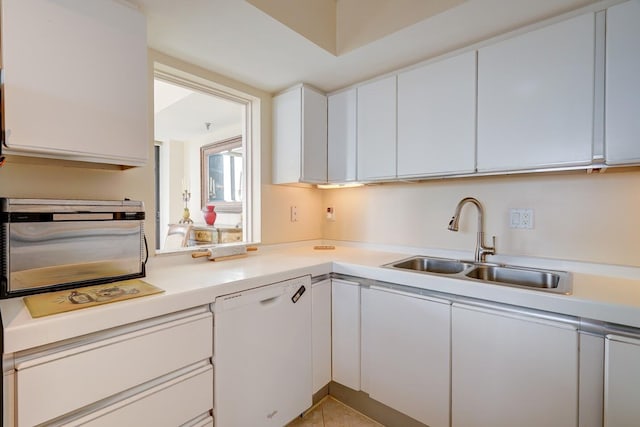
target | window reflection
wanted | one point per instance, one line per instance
(222, 164)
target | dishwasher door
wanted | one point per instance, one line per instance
(262, 355)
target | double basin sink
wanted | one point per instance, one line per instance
(499, 274)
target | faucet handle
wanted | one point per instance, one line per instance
(453, 223)
(493, 246)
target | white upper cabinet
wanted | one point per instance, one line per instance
(300, 136)
(622, 99)
(341, 143)
(75, 80)
(437, 118)
(376, 129)
(536, 98)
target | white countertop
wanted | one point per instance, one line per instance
(190, 282)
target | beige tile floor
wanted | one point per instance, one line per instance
(331, 413)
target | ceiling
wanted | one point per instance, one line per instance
(236, 39)
(182, 114)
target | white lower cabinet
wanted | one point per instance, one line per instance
(186, 396)
(345, 338)
(8, 398)
(145, 366)
(512, 369)
(405, 353)
(321, 333)
(591, 391)
(622, 381)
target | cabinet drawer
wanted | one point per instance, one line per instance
(230, 235)
(204, 236)
(170, 404)
(64, 381)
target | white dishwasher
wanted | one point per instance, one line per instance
(262, 354)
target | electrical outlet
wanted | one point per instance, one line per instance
(294, 213)
(526, 218)
(521, 218)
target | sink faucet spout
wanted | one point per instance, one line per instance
(482, 250)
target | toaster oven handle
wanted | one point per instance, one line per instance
(69, 216)
(83, 216)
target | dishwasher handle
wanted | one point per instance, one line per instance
(270, 300)
(263, 296)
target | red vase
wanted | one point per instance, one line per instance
(209, 214)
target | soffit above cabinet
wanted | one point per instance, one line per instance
(235, 38)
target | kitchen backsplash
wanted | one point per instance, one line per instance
(577, 216)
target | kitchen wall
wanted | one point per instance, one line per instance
(577, 216)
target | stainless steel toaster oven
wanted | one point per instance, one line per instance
(60, 244)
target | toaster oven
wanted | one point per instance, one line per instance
(61, 244)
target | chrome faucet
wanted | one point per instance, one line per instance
(481, 250)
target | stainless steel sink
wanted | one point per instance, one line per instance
(432, 265)
(497, 274)
(516, 276)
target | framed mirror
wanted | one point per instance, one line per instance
(221, 172)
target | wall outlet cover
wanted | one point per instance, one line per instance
(521, 218)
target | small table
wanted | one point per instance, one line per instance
(201, 234)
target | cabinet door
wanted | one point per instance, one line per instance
(341, 143)
(321, 333)
(512, 370)
(621, 382)
(75, 80)
(8, 399)
(314, 137)
(622, 123)
(287, 134)
(535, 98)
(345, 333)
(300, 136)
(437, 118)
(405, 353)
(376, 127)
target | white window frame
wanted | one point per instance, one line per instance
(251, 218)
